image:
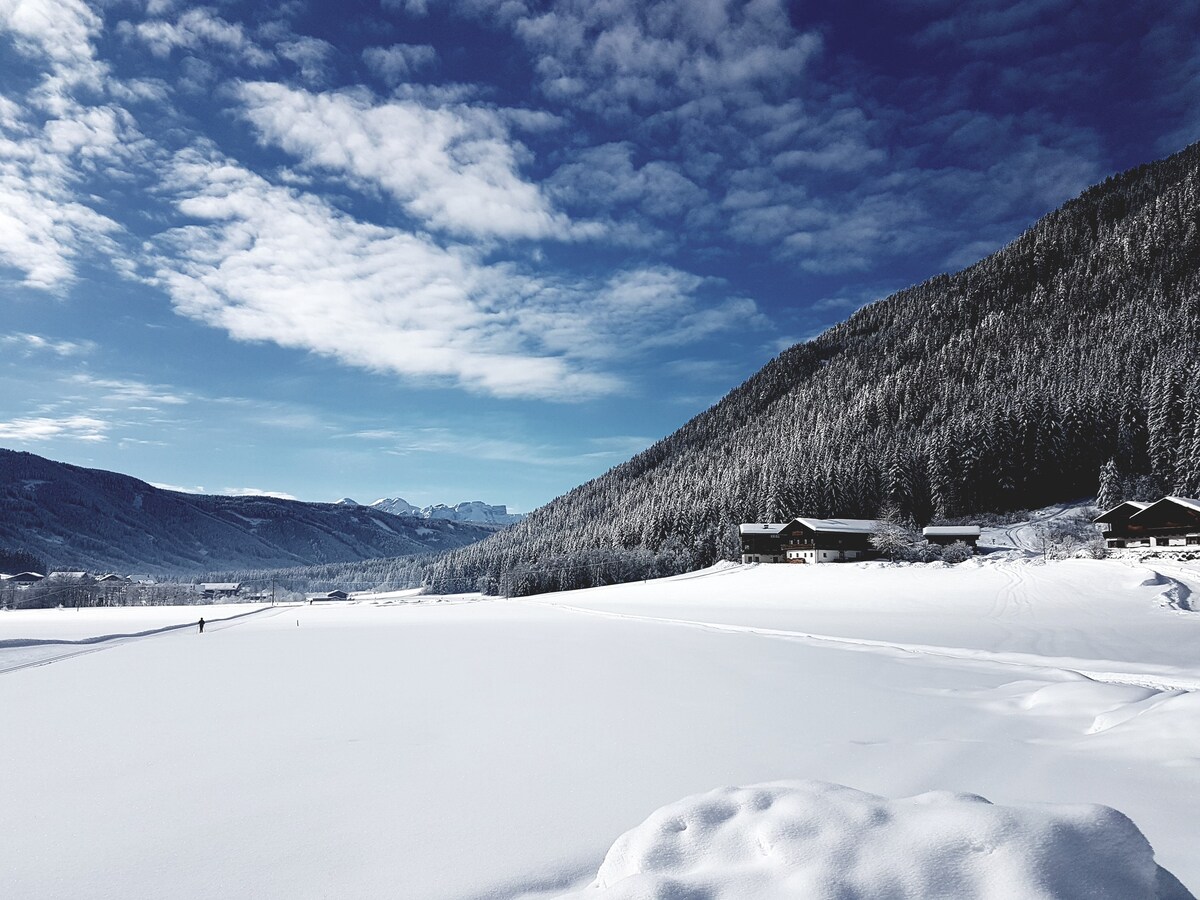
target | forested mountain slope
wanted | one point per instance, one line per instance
(72, 517)
(1010, 384)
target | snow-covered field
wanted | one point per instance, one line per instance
(499, 748)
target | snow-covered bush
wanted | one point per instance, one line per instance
(956, 553)
(929, 552)
(895, 538)
(1065, 537)
(813, 839)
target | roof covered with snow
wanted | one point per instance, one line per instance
(947, 530)
(1137, 505)
(1185, 502)
(849, 526)
(762, 527)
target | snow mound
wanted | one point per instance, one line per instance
(822, 841)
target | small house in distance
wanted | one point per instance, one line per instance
(1169, 523)
(328, 595)
(218, 589)
(24, 579)
(945, 535)
(807, 540)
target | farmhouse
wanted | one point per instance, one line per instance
(760, 541)
(805, 540)
(950, 534)
(1172, 522)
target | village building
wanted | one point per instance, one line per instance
(806, 540)
(213, 590)
(24, 579)
(945, 535)
(1172, 522)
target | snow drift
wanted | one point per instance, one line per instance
(817, 840)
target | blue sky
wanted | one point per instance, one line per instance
(486, 250)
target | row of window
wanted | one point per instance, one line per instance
(1192, 540)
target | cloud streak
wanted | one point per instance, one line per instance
(266, 263)
(44, 428)
(454, 169)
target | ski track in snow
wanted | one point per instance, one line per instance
(1163, 680)
(108, 641)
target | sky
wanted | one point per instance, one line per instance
(488, 249)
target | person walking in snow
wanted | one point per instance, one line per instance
(202, 625)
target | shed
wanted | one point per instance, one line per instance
(949, 534)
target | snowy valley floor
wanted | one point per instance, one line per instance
(497, 749)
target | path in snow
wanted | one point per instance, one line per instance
(18, 653)
(1159, 678)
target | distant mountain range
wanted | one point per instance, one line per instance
(71, 517)
(470, 511)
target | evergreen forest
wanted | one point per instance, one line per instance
(1065, 365)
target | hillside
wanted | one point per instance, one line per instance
(1011, 384)
(73, 517)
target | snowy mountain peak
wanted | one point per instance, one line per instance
(397, 506)
(475, 511)
(346, 501)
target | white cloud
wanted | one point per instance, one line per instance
(128, 392)
(636, 311)
(32, 343)
(605, 178)
(45, 428)
(178, 489)
(310, 55)
(458, 443)
(399, 62)
(199, 28)
(466, 444)
(50, 142)
(453, 168)
(624, 56)
(61, 32)
(256, 492)
(269, 264)
(228, 492)
(266, 263)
